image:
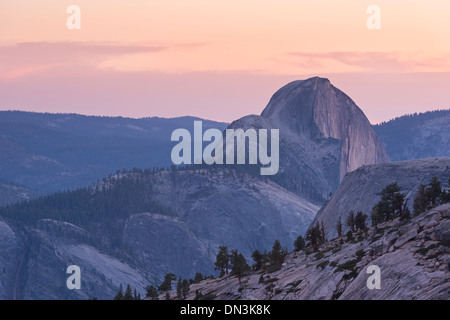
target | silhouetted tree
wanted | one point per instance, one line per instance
(390, 206)
(322, 232)
(351, 221)
(360, 221)
(299, 244)
(240, 266)
(276, 255)
(167, 283)
(434, 190)
(222, 261)
(119, 295)
(198, 277)
(152, 292)
(128, 293)
(349, 235)
(179, 289)
(313, 235)
(339, 227)
(185, 288)
(258, 259)
(421, 200)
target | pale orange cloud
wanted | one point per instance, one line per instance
(25, 58)
(394, 61)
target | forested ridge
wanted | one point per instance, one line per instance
(100, 209)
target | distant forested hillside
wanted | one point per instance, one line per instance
(416, 136)
(100, 209)
(53, 152)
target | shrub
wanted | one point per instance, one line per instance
(319, 255)
(270, 280)
(323, 264)
(349, 265)
(270, 287)
(360, 254)
(299, 244)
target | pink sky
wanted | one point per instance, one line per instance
(220, 59)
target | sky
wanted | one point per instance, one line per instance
(220, 60)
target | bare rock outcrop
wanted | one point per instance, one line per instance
(361, 189)
(412, 257)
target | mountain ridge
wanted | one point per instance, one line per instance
(323, 135)
(417, 136)
(118, 229)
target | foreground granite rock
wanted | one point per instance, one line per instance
(361, 189)
(412, 256)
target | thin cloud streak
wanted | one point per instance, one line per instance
(27, 58)
(373, 61)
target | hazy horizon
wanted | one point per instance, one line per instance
(184, 116)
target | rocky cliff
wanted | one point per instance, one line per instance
(34, 260)
(361, 189)
(323, 135)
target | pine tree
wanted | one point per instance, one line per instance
(258, 259)
(276, 257)
(265, 258)
(128, 293)
(322, 232)
(299, 244)
(360, 221)
(119, 295)
(232, 257)
(339, 227)
(185, 288)
(179, 289)
(222, 261)
(240, 266)
(167, 283)
(434, 190)
(313, 235)
(420, 201)
(349, 235)
(152, 292)
(390, 206)
(351, 221)
(198, 277)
